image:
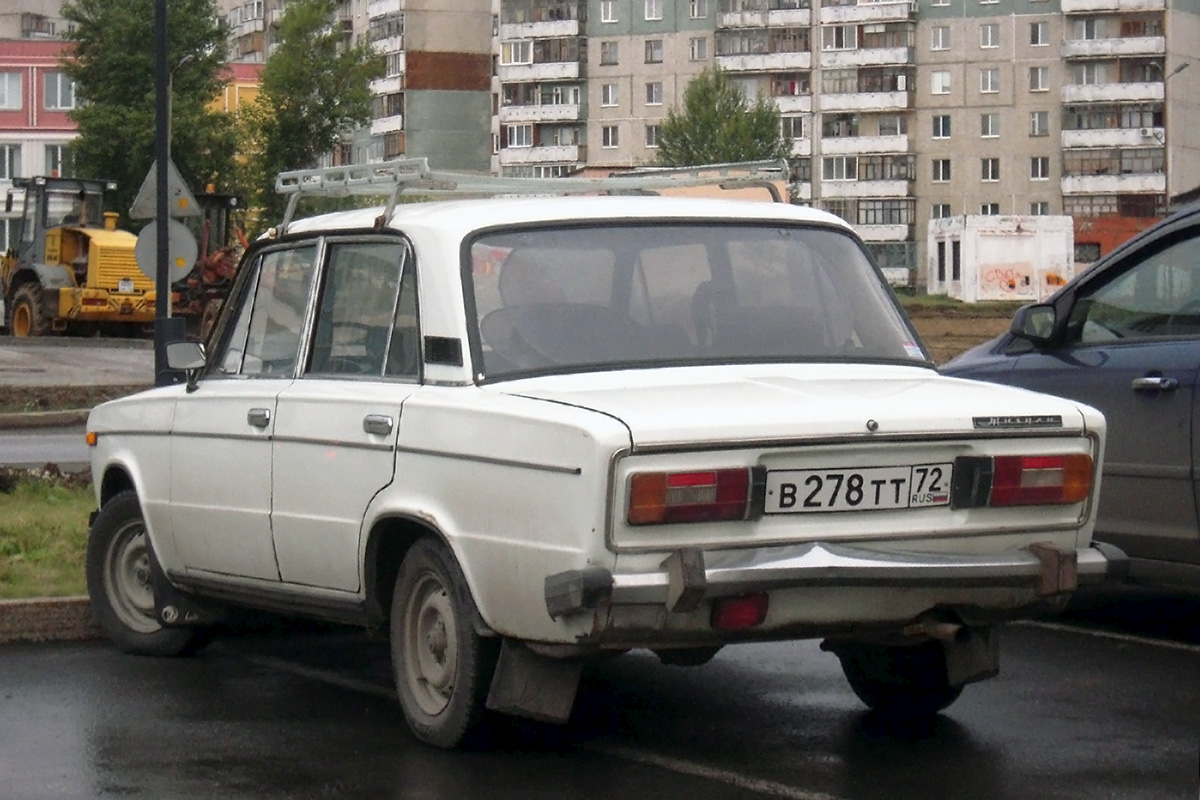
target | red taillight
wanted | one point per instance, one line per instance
(657, 497)
(739, 613)
(1040, 480)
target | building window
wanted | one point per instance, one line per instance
(1039, 208)
(940, 81)
(58, 160)
(1039, 35)
(518, 52)
(1091, 73)
(989, 169)
(609, 136)
(839, 37)
(698, 49)
(792, 128)
(59, 91)
(989, 80)
(939, 2)
(893, 125)
(608, 53)
(940, 211)
(10, 161)
(652, 132)
(839, 125)
(940, 39)
(654, 51)
(990, 209)
(698, 9)
(989, 35)
(839, 168)
(1039, 168)
(941, 170)
(1039, 79)
(654, 93)
(941, 126)
(608, 94)
(1039, 123)
(519, 135)
(10, 91)
(654, 9)
(989, 125)
(608, 10)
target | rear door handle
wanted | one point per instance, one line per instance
(1155, 383)
(378, 424)
(259, 417)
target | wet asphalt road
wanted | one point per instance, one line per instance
(1076, 713)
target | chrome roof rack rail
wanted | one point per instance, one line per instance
(390, 178)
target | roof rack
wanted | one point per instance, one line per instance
(390, 178)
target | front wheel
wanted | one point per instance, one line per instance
(26, 317)
(899, 682)
(120, 586)
(443, 667)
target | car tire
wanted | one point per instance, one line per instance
(899, 682)
(120, 586)
(443, 667)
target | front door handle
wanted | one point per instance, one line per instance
(259, 417)
(1155, 383)
(378, 424)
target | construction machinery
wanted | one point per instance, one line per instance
(70, 265)
(220, 241)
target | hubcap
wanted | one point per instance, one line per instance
(431, 651)
(127, 579)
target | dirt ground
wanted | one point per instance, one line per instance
(947, 336)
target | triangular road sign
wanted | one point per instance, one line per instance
(180, 200)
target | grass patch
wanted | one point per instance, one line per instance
(940, 305)
(43, 536)
(22, 399)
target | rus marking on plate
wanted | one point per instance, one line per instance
(1031, 421)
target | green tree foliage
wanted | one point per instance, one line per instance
(315, 87)
(112, 64)
(718, 125)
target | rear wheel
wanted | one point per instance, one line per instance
(120, 586)
(443, 667)
(899, 682)
(26, 317)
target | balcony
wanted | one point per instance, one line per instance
(869, 11)
(392, 44)
(387, 125)
(556, 112)
(381, 8)
(1113, 92)
(870, 57)
(548, 154)
(862, 145)
(863, 188)
(1115, 46)
(1114, 184)
(803, 191)
(1092, 6)
(528, 73)
(766, 62)
(794, 103)
(1114, 137)
(866, 101)
(783, 18)
(387, 85)
(551, 29)
(884, 233)
(801, 147)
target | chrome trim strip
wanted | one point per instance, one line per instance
(502, 462)
(931, 437)
(386, 448)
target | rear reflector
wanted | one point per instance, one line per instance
(658, 497)
(739, 613)
(1040, 480)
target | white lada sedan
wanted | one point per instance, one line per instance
(522, 433)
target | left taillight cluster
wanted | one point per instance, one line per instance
(700, 496)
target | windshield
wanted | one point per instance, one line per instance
(614, 294)
(73, 207)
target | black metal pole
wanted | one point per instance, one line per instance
(162, 154)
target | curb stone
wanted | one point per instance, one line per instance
(48, 619)
(43, 419)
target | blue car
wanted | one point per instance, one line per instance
(1124, 337)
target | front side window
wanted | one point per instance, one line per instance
(263, 336)
(590, 297)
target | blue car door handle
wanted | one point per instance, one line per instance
(1155, 384)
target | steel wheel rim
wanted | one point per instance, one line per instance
(127, 578)
(431, 645)
(22, 320)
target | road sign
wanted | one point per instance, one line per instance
(181, 251)
(180, 200)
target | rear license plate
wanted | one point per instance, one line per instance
(125, 285)
(797, 491)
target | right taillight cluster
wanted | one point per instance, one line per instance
(1021, 480)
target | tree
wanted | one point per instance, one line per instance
(718, 125)
(112, 64)
(315, 88)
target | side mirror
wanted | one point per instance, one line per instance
(1034, 323)
(189, 358)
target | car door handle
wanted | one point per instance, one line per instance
(378, 424)
(259, 417)
(1155, 384)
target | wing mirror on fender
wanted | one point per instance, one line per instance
(1035, 323)
(188, 357)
